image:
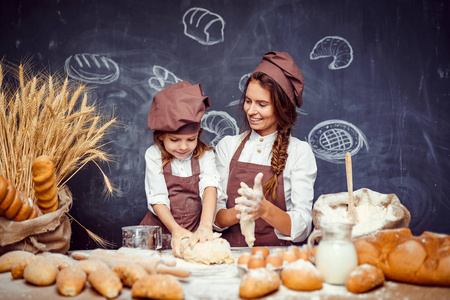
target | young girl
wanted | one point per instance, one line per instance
(280, 201)
(181, 178)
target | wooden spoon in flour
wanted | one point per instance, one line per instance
(351, 211)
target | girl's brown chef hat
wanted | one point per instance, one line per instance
(178, 109)
(282, 68)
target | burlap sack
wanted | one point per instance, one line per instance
(49, 232)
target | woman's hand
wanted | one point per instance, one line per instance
(252, 203)
(178, 235)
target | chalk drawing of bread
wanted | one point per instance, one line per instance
(162, 78)
(92, 68)
(331, 139)
(336, 47)
(203, 26)
(219, 123)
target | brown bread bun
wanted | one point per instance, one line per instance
(364, 278)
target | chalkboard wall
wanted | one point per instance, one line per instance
(377, 84)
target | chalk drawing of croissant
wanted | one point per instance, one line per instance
(336, 47)
(203, 26)
(219, 123)
(331, 139)
(92, 68)
(162, 78)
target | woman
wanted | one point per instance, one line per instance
(280, 201)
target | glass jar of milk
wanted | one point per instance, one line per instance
(336, 255)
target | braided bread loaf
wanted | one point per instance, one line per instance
(45, 184)
(403, 257)
(14, 205)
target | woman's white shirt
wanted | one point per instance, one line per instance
(299, 176)
(155, 184)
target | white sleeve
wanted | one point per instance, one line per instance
(155, 184)
(299, 190)
(224, 152)
(209, 176)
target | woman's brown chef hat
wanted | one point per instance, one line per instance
(282, 68)
(178, 109)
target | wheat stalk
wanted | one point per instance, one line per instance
(44, 114)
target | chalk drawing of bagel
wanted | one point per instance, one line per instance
(336, 47)
(92, 68)
(220, 124)
(203, 26)
(331, 139)
(162, 78)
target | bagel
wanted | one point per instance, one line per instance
(3, 188)
(25, 210)
(9, 197)
(15, 206)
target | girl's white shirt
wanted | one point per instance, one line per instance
(299, 176)
(155, 184)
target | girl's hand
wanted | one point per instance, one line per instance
(251, 204)
(202, 234)
(178, 235)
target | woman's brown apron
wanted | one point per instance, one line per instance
(246, 172)
(184, 196)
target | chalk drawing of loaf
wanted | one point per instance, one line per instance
(331, 139)
(92, 68)
(203, 26)
(162, 78)
(336, 47)
(220, 124)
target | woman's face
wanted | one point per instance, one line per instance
(259, 109)
(180, 145)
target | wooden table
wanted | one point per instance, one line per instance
(222, 282)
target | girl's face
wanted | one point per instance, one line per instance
(259, 109)
(180, 145)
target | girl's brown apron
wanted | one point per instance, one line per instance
(185, 201)
(246, 172)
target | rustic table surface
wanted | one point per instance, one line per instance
(222, 282)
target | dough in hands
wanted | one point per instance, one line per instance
(248, 230)
(217, 251)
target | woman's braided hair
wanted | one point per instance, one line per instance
(286, 115)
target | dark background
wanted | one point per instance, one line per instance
(390, 106)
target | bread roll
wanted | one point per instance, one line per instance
(41, 271)
(91, 265)
(60, 260)
(106, 282)
(364, 278)
(71, 281)
(157, 286)
(129, 273)
(423, 259)
(9, 259)
(301, 275)
(259, 282)
(18, 268)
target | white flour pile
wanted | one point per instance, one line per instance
(375, 211)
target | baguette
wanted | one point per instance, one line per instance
(403, 257)
(129, 273)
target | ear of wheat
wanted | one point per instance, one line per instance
(44, 114)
